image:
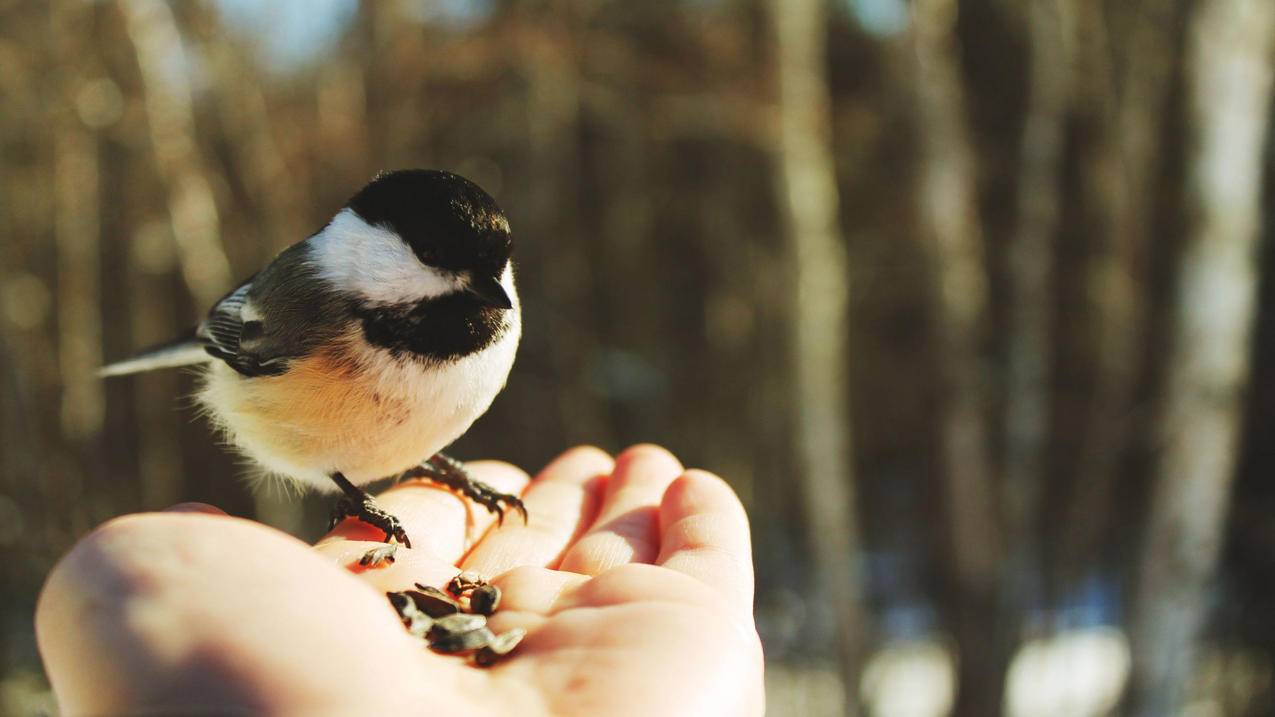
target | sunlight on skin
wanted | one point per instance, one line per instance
(192, 609)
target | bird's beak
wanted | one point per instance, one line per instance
(489, 290)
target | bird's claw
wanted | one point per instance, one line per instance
(372, 514)
(447, 471)
(492, 500)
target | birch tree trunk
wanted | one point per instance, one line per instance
(950, 223)
(820, 314)
(1229, 92)
(1051, 26)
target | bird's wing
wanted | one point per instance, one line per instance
(234, 333)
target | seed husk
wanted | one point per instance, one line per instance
(432, 601)
(416, 622)
(464, 582)
(463, 641)
(382, 554)
(403, 604)
(484, 599)
(419, 625)
(501, 645)
(456, 624)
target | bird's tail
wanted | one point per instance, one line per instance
(183, 351)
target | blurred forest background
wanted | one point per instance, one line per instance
(971, 300)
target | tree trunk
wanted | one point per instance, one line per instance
(808, 200)
(1121, 124)
(950, 223)
(77, 234)
(1051, 31)
(554, 165)
(169, 111)
(1229, 90)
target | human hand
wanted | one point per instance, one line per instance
(633, 578)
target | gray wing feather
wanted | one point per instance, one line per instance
(220, 336)
(297, 314)
(222, 331)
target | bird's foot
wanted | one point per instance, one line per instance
(449, 472)
(358, 504)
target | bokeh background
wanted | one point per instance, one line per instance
(971, 300)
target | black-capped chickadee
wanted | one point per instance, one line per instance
(362, 351)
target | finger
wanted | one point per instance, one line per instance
(166, 612)
(195, 508)
(627, 527)
(634, 583)
(528, 596)
(535, 589)
(704, 534)
(561, 504)
(407, 568)
(439, 522)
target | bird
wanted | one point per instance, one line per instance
(362, 351)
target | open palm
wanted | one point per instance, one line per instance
(633, 579)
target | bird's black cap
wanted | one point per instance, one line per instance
(447, 220)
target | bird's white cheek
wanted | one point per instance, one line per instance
(375, 263)
(507, 281)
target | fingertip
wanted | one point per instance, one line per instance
(699, 491)
(587, 452)
(704, 533)
(626, 529)
(499, 474)
(194, 507)
(646, 453)
(577, 465)
(646, 467)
